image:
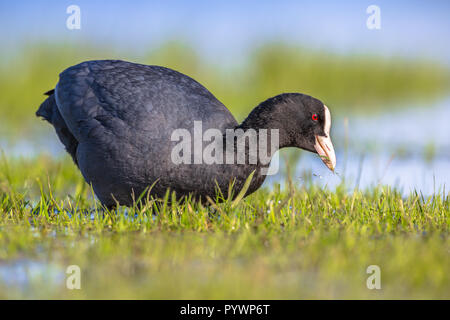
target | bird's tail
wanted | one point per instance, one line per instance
(46, 108)
(49, 111)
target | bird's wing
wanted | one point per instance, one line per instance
(107, 99)
(89, 107)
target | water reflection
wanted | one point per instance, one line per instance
(23, 273)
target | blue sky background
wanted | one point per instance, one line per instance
(226, 29)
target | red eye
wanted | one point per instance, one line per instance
(315, 117)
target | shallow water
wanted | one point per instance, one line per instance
(405, 174)
(23, 273)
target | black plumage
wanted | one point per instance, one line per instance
(115, 119)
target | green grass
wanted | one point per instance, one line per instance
(293, 242)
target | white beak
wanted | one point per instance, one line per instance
(323, 144)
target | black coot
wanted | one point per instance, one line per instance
(120, 122)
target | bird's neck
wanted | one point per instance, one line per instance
(264, 117)
(256, 140)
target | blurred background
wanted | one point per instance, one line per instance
(388, 88)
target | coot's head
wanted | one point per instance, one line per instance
(306, 122)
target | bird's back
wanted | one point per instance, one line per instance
(153, 99)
